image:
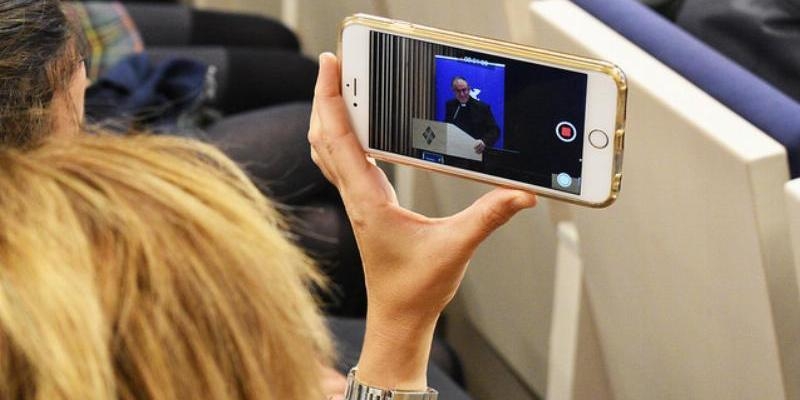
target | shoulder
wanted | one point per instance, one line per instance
(477, 104)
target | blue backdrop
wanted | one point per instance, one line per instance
(487, 81)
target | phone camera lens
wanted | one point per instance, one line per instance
(355, 104)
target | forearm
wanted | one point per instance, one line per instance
(395, 352)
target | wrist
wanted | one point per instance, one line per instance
(396, 351)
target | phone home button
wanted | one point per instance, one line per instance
(598, 139)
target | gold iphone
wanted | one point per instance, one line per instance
(485, 109)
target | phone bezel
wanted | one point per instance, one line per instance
(605, 106)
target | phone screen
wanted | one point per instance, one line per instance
(477, 111)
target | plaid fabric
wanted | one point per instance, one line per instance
(109, 31)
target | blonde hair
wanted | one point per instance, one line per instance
(149, 268)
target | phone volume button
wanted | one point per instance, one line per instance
(617, 184)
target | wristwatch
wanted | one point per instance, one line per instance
(359, 391)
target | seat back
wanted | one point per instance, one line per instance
(769, 109)
(690, 274)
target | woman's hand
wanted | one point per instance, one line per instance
(413, 264)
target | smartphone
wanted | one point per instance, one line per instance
(484, 109)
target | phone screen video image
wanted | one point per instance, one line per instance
(476, 111)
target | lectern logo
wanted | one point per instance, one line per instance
(429, 135)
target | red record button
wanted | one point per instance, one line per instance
(566, 132)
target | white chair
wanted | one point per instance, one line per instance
(688, 279)
(700, 298)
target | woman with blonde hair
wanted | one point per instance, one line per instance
(151, 268)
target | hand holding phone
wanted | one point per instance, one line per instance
(483, 109)
(408, 279)
(480, 146)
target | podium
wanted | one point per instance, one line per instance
(444, 138)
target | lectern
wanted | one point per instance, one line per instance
(443, 138)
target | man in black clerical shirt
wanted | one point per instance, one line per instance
(472, 116)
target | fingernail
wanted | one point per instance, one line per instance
(324, 55)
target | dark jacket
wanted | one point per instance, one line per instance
(761, 35)
(475, 118)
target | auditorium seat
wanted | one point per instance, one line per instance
(686, 287)
(700, 300)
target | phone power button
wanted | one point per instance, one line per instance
(598, 139)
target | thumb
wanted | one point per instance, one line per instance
(490, 212)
